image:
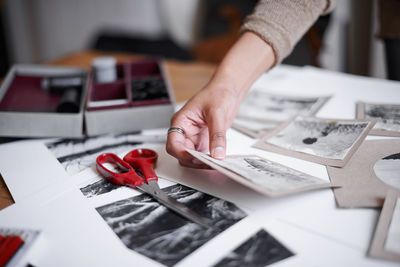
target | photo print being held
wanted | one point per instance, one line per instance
(267, 36)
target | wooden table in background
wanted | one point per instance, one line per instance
(186, 79)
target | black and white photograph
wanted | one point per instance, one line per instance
(387, 170)
(322, 139)
(77, 155)
(253, 128)
(262, 249)
(262, 175)
(387, 117)
(98, 187)
(267, 174)
(148, 228)
(267, 106)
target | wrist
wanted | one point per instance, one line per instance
(243, 64)
(223, 81)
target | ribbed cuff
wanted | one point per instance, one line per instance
(281, 23)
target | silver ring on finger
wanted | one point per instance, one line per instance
(177, 130)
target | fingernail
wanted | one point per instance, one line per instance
(196, 161)
(218, 153)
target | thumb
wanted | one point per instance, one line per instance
(217, 134)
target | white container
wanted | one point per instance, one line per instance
(105, 69)
(105, 119)
(41, 124)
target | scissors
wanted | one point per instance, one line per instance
(145, 160)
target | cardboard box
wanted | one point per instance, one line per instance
(140, 98)
(29, 110)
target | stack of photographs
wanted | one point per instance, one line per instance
(387, 117)
(325, 141)
(266, 177)
(262, 112)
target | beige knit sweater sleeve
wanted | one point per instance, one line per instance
(281, 23)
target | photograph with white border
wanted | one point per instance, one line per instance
(263, 105)
(262, 175)
(387, 117)
(324, 141)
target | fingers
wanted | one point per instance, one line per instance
(195, 166)
(217, 133)
(202, 141)
(176, 148)
(178, 142)
(204, 121)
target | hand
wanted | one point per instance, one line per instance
(205, 119)
(206, 116)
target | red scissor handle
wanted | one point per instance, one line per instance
(144, 159)
(127, 177)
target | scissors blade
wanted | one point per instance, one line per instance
(154, 190)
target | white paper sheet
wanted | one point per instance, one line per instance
(27, 167)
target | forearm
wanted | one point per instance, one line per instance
(243, 64)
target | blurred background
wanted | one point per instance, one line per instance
(37, 31)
